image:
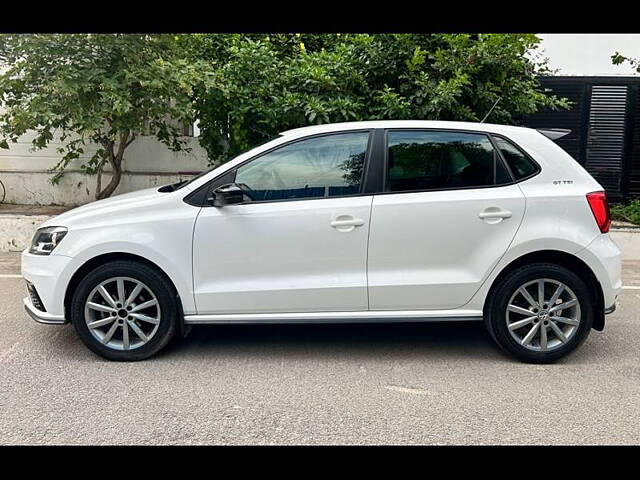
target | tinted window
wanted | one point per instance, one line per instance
(326, 166)
(521, 166)
(502, 174)
(435, 160)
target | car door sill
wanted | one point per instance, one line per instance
(339, 317)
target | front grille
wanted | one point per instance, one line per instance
(35, 298)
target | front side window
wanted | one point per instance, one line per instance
(431, 160)
(521, 166)
(326, 166)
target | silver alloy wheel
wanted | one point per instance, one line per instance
(543, 314)
(122, 313)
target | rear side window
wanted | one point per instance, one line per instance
(521, 166)
(431, 160)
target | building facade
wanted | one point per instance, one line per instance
(25, 174)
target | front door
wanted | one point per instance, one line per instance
(299, 241)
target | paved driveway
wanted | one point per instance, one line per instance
(363, 384)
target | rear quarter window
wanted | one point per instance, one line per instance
(519, 163)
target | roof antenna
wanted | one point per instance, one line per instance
(489, 112)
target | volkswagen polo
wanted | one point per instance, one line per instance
(353, 222)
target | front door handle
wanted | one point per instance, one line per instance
(346, 223)
(356, 222)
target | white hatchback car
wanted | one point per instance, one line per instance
(352, 222)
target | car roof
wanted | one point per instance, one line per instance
(439, 124)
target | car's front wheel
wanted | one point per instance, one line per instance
(125, 310)
(540, 312)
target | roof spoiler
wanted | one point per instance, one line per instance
(554, 133)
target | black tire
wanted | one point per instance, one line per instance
(152, 278)
(495, 311)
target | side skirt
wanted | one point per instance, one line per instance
(380, 316)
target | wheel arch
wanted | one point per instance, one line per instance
(564, 259)
(98, 260)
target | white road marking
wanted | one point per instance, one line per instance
(415, 391)
(631, 287)
(9, 275)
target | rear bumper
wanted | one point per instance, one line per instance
(603, 257)
(42, 317)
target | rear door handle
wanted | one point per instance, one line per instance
(495, 214)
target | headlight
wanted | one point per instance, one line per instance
(46, 239)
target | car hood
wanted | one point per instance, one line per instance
(106, 210)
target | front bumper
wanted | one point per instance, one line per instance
(42, 317)
(50, 276)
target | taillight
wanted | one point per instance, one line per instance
(600, 208)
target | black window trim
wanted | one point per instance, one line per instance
(498, 157)
(497, 152)
(197, 198)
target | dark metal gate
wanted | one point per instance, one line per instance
(605, 137)
(605, 130)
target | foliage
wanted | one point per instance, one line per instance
(263, 84)
(618, 59)
(626, 213)
(96, 89)
(244, 89)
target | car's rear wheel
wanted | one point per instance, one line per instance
(540, 313)
(125, 310)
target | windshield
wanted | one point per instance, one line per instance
(183, 183)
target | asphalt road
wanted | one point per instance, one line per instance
(363, 384)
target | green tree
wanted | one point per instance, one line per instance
(245, 88)
(97, 89)
(617, 59)
(265, 83)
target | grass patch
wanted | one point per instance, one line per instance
(629, 212)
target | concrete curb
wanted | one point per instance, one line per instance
(16, 231)
(628, 241)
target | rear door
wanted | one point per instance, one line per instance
(448, 213)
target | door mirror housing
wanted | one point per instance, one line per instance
(228, 194)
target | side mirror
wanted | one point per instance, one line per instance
(228, 194)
